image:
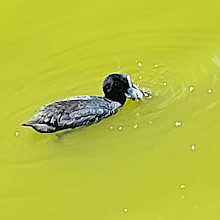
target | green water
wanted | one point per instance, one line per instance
(149, 169)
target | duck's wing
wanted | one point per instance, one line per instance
(71, 113)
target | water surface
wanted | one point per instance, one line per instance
(163, 163)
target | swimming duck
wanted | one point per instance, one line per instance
(84, 110)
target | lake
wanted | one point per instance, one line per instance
(156, 159)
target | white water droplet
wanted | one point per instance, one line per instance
(156, 65)
(182, 186)
(144, 92)
(120, 128)
(191, 88)
(17, 133)
(140, 64)
(178, 123)
(111, 128)
(119, 65)
(125, 210)
(164, 83)
(193, 147)
(135, 126)
(209, 91)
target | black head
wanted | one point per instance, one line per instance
(117, 86)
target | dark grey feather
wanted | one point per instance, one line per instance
(72, 112)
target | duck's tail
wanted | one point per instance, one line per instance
(25, 124)
(42, 128)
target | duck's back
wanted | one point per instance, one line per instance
(72, 112)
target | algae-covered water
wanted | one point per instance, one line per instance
(156, 159)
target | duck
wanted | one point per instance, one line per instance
(84, 110)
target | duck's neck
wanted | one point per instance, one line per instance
(121, 98)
